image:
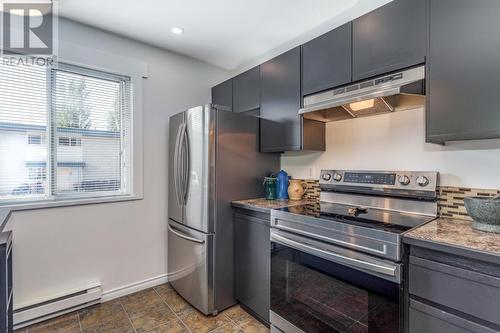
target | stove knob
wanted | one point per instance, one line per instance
(404, 180)
(422, 181)
(327, 176)
(337, 177)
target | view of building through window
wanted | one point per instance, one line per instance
(82, 153)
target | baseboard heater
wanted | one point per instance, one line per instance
(56, 305)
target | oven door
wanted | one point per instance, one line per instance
(318, 287)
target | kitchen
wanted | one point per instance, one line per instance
(341, 180)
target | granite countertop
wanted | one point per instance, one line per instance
(264, 205)
(457, 235)
(4, 217)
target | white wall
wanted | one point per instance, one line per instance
(116, 243)
(397, 141)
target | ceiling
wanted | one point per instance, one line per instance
(226, 33)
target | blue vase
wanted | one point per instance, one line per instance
(282, 185)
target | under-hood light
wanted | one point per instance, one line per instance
(362, 105)
(382, 94)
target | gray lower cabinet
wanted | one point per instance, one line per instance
(390, 38)
(6, 294)
(252, 265)
(326, 60)
(246, 91)
(463, 70)
(428, 319)
(222, 94)
(449, 293)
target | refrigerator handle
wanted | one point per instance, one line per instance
(186, 166)
(186, 237)
(176, 165)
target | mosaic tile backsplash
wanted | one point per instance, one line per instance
(450, 199)
(312, 189)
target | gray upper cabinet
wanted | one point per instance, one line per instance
(246, 91)
(281, 126)
(390, 38)
(326, 60)
(463, 70)
(280, 98)
(222, 94)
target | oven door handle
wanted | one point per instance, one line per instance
(335, 257)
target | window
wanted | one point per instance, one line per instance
(34, 139)
(37, 173)
(73, 142)
(63, 141)
(85, 115)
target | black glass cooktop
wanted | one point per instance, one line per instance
(380, 219)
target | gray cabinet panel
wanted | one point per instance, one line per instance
(280, 100)
(6, 294)
(390, 38)
(222, 94)
(326, 60)
(428, 319)
(469, 292)
(463, 74)
(246, 91)
(252, 264)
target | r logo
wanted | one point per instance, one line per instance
(27, 28)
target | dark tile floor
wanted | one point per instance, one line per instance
(156, 310)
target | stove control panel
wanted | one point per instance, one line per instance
(397, 180)
(369, 178)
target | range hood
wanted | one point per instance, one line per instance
(394, 92)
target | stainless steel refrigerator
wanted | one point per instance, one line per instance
(213, 159)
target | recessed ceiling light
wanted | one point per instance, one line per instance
(177, 31)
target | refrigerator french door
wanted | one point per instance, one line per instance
(214, 159)
(191, 160)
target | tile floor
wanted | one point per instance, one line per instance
(156, 310)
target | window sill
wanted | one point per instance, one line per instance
(68, 202)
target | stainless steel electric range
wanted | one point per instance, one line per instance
(336, 266)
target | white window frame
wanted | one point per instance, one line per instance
(128, 188)
(110, 62)
(126, 177)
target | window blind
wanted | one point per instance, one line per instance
(23, 119)
(64, 133)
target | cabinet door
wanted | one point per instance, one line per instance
(479, 294)
(246, 91)
(326, 60)
(463, 70)
(222, 94)
(280, 103)
(428, 319)
(252, 264)
(389, 38)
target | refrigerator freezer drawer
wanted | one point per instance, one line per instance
(190, 258)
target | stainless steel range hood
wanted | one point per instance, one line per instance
(394, 92)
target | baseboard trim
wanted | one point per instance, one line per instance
(134, 287)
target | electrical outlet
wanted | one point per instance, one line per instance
(310, 172)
